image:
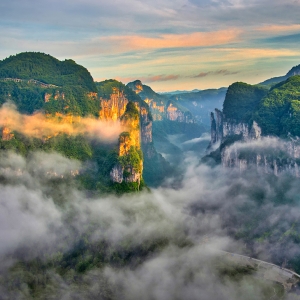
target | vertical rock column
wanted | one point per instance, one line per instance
(130, 166)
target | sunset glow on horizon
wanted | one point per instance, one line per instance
(169, 45)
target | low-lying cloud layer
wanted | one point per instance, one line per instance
(152, 245)
(40, 126)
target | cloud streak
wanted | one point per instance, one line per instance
(195, 39)
(215, 73)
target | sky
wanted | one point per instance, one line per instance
(167, 44)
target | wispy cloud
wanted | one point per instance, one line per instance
(279, 28)
(149, 79)
(215, 73)
(196, 39)
(39, 126)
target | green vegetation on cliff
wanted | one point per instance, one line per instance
(146, 92)
(279, 111)
(242, 100)
(131, 112)
(47, 69)
(105, 89)
(61, 87)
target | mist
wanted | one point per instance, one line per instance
(158, 244)
(40, 126)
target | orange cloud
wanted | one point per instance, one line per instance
(197, 39)
(279, 28)
(246, 53)
(40, 126)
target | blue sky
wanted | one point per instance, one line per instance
(168, 44)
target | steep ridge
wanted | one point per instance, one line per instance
(201, 103)
(64, 93)
(36, 81)
(258, 128)
(115, 98)
(173, 124)
(47, 69)
(294, 71)
(160, 105)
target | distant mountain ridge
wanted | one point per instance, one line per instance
(179, 92)
(294, 71)
(162, 108)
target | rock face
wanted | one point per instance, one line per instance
(157, 109)
(216, 128)
(161, 107)
(116, 174)
(173, 113)
(129, 168)
(114, 107)
(242, 146)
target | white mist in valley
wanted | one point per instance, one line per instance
(158, 244)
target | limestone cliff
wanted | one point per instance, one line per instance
(173, 113)
(129, 168)
(161, 107)
(114, 107)
(136, 142)
(239, 141)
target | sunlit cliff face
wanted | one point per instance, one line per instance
(139, 88)
(114, 107)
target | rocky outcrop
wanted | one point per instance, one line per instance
(146, 131)
(157, 109)
(136, 148)
(116, 174)
(221, 127)
(242, 146)
(146, 126)
(55, 96)
(271, 159)
(7, 134)
(114, 107)
(129, 168)
(161, 107)
(217, 131)
(173, 113)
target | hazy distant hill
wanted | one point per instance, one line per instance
(294, 71)
(179, 92)
(201, 103)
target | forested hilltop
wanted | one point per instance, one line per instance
(251, 116)
(47, 69)
(64, 94)
(34, 81)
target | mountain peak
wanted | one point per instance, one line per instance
(136, 86)
(294, 71)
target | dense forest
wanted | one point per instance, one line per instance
(47, 69)
(279, 111)
(242, 100)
